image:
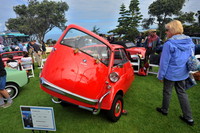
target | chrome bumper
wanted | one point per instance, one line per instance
(69, 94)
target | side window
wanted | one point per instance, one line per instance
(120, 57)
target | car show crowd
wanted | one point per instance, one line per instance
(169, 57)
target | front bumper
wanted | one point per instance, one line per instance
(69, 94)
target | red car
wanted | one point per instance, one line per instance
(86, 70)
(132, 49)
(17, 55)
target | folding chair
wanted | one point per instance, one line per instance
(151, 68)
(42, 62)
(28, 66)
(14, 65)
(136, 62)
(154, 61)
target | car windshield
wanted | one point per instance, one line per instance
(126, 45)
(87, 44)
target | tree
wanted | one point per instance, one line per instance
(161, 11)
(122, 20)
(128, 21)
(38, 18)
(95, 29)
(198, 17)
(134, 20)
(194, 29)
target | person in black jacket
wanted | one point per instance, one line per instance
(3, 92)
(37, 52)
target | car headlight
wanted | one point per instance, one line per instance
(114, 77)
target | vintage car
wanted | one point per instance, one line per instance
(86, 70)
(14, 80)
(132, 48)
(17, 55)
(196, 41)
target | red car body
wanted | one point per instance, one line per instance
(86, 70)
(17, 55)
(132, 49)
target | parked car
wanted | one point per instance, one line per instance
(17, 55)
(86, 70)
(196, 41)
(132, 48)
(14, 80)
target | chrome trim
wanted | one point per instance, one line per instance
(64, 92)
(97, 111)
(54, 100)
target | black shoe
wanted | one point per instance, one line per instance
(191, 123)
(161, 111)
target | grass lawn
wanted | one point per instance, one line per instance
(140, 101)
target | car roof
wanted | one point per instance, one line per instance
(116, 46)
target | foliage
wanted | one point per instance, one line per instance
(38, 18)
(198, 17)
(186, 17)
(128, 21)
(161, 11)
(95, 29)
(192, 30)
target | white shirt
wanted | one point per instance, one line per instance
(26, 59)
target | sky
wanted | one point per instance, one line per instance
(88, 13)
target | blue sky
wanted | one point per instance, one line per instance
(88, 13)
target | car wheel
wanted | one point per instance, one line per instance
(12, 89)
(116, 110)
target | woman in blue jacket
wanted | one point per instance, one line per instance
(173, 70)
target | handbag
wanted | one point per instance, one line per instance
(193, 63)
(190, 82)
(142, 72)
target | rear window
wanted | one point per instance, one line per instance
(87, 44)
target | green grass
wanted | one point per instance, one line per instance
(140, 101)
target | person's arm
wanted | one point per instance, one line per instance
(164, 61)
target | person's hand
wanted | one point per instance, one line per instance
(161, 80)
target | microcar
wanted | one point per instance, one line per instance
(86, 70)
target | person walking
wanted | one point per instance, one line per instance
(3, 92)
(173, 69)
(37, 52)
(43, 48)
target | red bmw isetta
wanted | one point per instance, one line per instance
(86, 70)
